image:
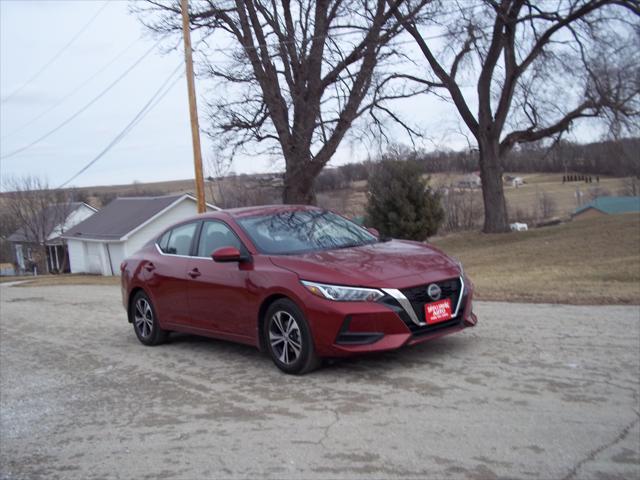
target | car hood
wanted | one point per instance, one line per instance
(392, 264)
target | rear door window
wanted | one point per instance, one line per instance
(180, 239)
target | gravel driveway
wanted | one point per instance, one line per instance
(535, 391)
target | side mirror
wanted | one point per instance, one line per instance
(227, 254)
(374, 232)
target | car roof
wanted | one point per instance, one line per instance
(244, 212)
(258, 210)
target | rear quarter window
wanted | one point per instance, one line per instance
(163, 241)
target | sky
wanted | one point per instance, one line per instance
(45, 79)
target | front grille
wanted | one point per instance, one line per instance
(418, 296)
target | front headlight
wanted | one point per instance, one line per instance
(343, 294)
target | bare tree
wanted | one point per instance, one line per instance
(218, 167)
(8, 225)
(537, 67)
(463, 210)
(243, 191)
(37, 210)
(547, 206)
(294, 76)
(596, 192)
(630, 187)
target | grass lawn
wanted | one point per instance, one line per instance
(595, 261)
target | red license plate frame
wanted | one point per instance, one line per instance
(438, 312)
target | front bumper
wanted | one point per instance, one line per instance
(343, 328)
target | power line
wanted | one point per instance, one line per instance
(151, 103)
(73, 91)
(86, 106)
(58, 54)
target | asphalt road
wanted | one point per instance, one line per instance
(534, 391)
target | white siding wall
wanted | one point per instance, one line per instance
(95, 261)
(185, 209)
(116, 252)
(88, 257)
(76, 256)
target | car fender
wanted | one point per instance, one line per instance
(280, 291)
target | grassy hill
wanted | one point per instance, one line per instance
(595, 261)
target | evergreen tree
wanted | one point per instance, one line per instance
(400, 203)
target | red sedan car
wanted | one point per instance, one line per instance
(300, 282)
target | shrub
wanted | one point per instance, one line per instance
(400, 204)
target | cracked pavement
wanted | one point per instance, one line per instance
(534, 391)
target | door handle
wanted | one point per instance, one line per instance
(194, 273)
(150, 267)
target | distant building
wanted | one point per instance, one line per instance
(100, 243)
(471, 180)
(53, 226)
(518, 227)
(513, 180)
(607, 206)
(7, 269)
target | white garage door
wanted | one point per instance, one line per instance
(94, 258)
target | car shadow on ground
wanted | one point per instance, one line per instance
(434, 353)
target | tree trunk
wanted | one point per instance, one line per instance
(495, 206)
(298, 187)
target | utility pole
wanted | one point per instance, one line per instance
(193, 108)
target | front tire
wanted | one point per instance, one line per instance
(288, 338)
(145, 321)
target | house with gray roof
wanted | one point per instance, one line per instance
(608, 206)
(100, 244)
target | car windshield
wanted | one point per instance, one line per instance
(303, 231)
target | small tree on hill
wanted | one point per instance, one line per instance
(401, 205)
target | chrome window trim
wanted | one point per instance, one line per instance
(406, 304)
(171, 254)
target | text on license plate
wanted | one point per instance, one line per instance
(438, 311)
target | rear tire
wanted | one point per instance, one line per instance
(143, 316)
(288, 338)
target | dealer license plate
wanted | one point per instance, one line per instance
(437, 312)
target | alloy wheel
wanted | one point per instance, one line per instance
(143, 318)
(285, 337)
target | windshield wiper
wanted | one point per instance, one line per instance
(351, 245)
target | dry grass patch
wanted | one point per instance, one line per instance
(594, 261)
(67, 279)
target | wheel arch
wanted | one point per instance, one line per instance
(264, 306)
(132, 295)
